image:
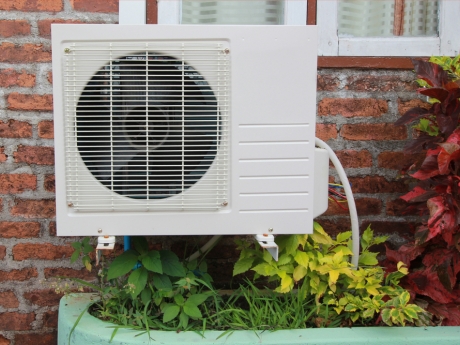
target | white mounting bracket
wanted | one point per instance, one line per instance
(268, 242)
(104, 243)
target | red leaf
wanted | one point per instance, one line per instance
(426, 282)
(435, 92)
(406, 253)
(443, 218)
(448, 117)
(450, 313)
(432, 73)
(428, 169)
(415, 193)
(411, 115)
(449, 152)
(454, 137)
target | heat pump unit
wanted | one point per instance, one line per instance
(169, 130)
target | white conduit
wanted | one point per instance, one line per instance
(205, 247)
(351, 201)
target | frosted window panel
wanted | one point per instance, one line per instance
(376, 18)
(232, 12)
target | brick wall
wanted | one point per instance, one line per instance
(356, 109)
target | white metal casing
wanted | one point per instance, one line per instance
(271, 134)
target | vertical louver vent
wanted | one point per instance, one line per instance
(148, 125)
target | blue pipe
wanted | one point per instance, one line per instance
(127, 243)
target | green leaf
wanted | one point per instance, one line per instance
(284, 259)
(366, 238)
(292, 243)
(404, 298)
(138, 278)
(76, 245)
(197, 299)
(152, 262)
(299, 273)
(170, 311)
(179, 299)
(319, 235)
(410, 312)
(75, 256)
(192, 310)
(267, 256)
(242, 265)
(183, 319)
(140, 244)
(122, 264)
(87, 262)
(146, 295)
(162, 282)
(368, 259)
(386, 317)
(171, 264)
(302, 259)
(343, 236)
(264, 269)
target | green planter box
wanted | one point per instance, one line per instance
(91, 331)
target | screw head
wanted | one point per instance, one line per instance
(70, 204)
(99, 231)
(66, 50)
(225, 203)
(270, 230)
(227, 51)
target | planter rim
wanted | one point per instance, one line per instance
(91, 330)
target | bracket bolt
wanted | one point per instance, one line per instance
(270, 229)
(225, 203)
(70, 204)
(67, 50)
(99, 230)
(226, 51)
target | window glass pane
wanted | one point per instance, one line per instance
(384, 18)
(232, 12)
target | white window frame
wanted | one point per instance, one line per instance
(448, 42)
(295, 12)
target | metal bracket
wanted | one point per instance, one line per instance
(268, 242)
(104, 243)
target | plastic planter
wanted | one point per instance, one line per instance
(90, 331)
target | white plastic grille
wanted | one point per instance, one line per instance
(146, 125)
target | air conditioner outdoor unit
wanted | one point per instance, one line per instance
(173, 130)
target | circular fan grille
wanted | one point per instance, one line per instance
(147, 126)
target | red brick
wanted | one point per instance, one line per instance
(4, 341)
(105, 6)
(365, 207)
(70, 273)
(383, 83)
(15, 129)
(404, 106)
(377, 131)
(398, 160)
(50, 319)
(45, 208)
(46, 129)
(16, 321)
(399, 207)
(31, 5)
(52, 229)
(326, 131)
(43, 298)
(8, 300)
(355, 159)
(43, 251)
(18, 275)
(17, 183)
(49, 183)
(41, 155)
(352, 107)
(44, 26)
(18, 101)
(327, 83)
(26, 53)
(3, 156)
(2, 252)
(19, 229)
(10, 77)
(404, 229)
(10, 28)
(49, 77)
(36, 338)
(336, 226)
(376, 184)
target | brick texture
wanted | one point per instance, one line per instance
(17, 183)
(45, 208)
(15, 129)
(50, 319)
(326, 131)
(70, 272)
(17, 101)
(28, 52)
(352, 107)
(95, 5)
(40, 155)
(18, 275)
(378, 131)
(379, 83)
(2, 252)
(43, 251)
(19, 229)
(16, 321)
(52, 229)
(365, 207)
(404, 106)
(4, 341)
(355, 159)
(327, 83)
(398, 160)
(376, 184)
(31, 5)
(46, 129)
(43, 297)
(36, 338)
(44, 26)
(49, 183)
(10, 28)
(11, 77)
(8, 300)
(3, 156)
